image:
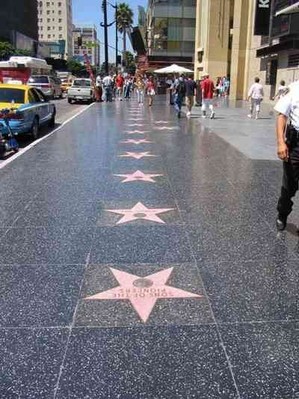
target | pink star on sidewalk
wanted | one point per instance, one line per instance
(137, 155)
(167, 128)
(135, 119)
(165, 122)
(136, 131)
(142, 292)
(139, 141)
(139, 176)
(139, 211)
(136, 124)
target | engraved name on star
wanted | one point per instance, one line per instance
(139, 211)
(139, 176)
(142, 292)
(137, 155)
(137, 142)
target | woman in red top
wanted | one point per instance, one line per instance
(150, 89)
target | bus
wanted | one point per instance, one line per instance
(19, 69)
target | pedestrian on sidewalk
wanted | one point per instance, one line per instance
(151, 91)
(190, 88)
(288, 151)
(281, 91)
(119, 82)
(108, 85)
(207, 90)
(98, 89)
(140, 89)
(179, 94)
(255, 96)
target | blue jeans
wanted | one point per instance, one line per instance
(178, 101)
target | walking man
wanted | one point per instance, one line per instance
(190, 87)
(207, 90)
(179, 94)
(288, 151)
(107, 83)
(255, 96)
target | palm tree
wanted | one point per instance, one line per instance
(124, 20)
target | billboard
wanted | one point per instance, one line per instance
(262, 17)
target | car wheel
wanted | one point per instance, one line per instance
(69, 101)
(35, 129)
(52, 120)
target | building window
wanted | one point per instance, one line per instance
(48, 28)
(59, 4)
(49, 36)
(41, 28)
(40, 3)
(41, 36)
(59, 12)
(48, 19)
(60, 28)
(48, 12)
(60, 36)
(59, 20)
(48, 4)
(293, 61)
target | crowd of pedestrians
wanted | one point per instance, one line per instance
(122, 86)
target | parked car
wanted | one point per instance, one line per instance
(49, 85)
(81, 90)
(32, 108)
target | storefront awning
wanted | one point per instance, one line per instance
(294, 8)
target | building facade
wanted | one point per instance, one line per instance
(243, 39)
(19, 24)
(170, 33)
(55, 26)
(85, 41)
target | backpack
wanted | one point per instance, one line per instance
(181, 89)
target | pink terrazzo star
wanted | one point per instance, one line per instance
(165, 122)
(136, 131)
(142, 292)
(167, 128)
(139, 176)
(136, 124)
(137, 155)
(137, 142)
(135, 119)
(139, 211)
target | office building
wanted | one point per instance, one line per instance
(19, 24)
(244, 39)
(170, 33)
(85, 41)
(55, 26)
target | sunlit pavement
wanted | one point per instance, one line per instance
(139, 259)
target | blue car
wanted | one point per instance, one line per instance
(31, 109)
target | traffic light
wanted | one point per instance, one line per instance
(79, 41)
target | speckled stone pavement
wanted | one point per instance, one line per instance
(139, 260)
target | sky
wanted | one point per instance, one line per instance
(90, 12)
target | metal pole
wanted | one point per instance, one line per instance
(116, 36)
(106, 36)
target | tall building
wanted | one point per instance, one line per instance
(245, 39)
(85, 41)
(55, 26)
(170, 33)
(19, 24)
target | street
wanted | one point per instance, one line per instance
(140, 259)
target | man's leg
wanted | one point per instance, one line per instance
(211, 108)
(289, 187)
(251, 108)
(204, 108)
(257, 108)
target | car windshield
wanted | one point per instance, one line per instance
(7, 95)
(38, 79)
(81, 83)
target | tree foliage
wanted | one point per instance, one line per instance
(124, 20)
(7, 50)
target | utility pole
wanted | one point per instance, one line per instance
(116, 37)
(105, 25)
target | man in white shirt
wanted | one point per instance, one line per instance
(107, 83)
(288, 151)
(255, 95)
